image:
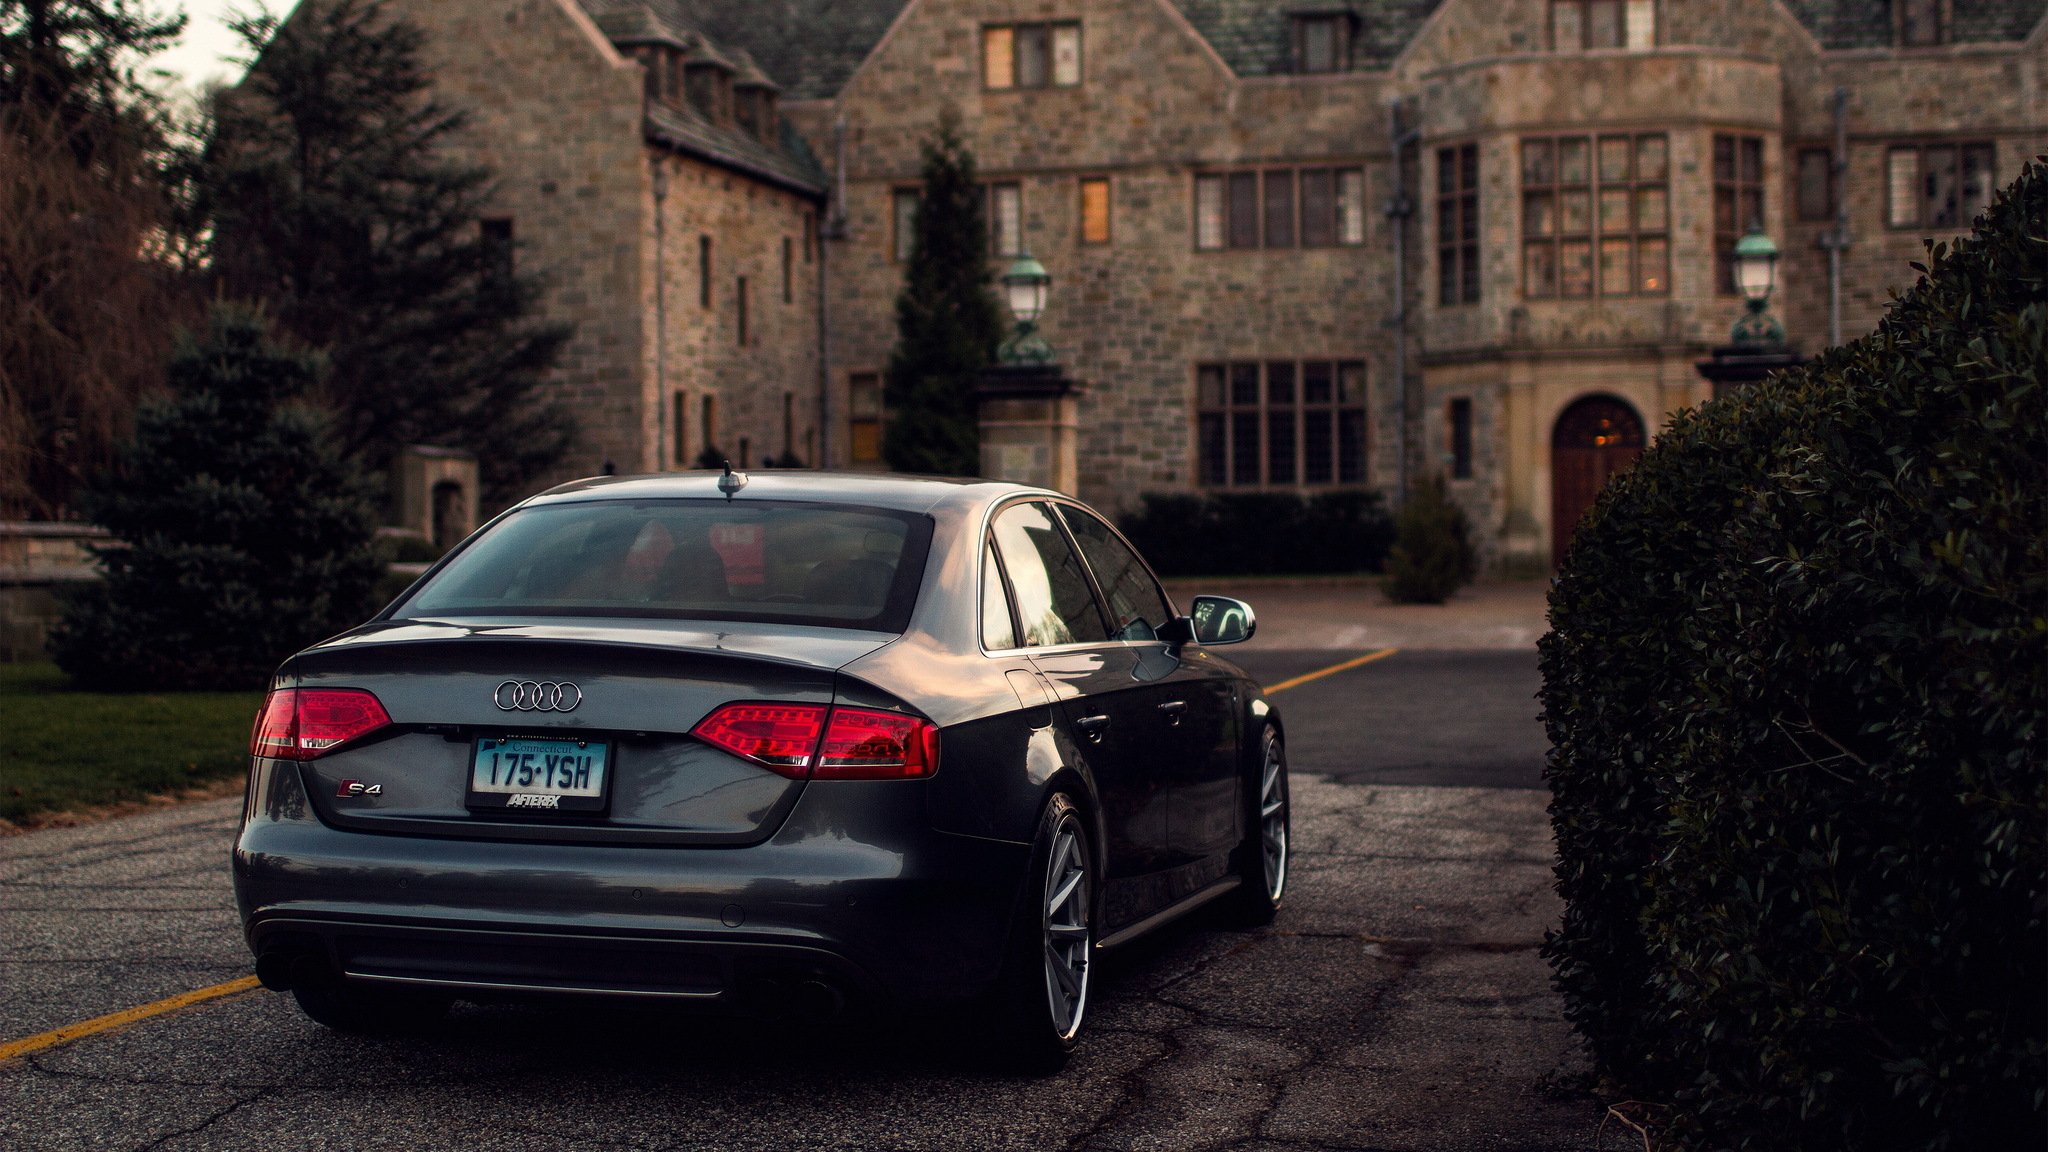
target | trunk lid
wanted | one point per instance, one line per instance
(637, 692)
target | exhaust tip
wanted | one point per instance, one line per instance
(274, 970)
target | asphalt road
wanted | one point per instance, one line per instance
(1398, 1003)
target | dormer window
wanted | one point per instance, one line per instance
(664, 72)
(1919, 23)
(710, 90)
(1322, 42)
(754, 111)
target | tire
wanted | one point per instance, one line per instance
(1041, 998)
(1263, 856)
(368, 1011)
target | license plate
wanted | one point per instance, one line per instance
(530, 774)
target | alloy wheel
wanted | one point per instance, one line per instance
(1273, 820)
(1068, 935)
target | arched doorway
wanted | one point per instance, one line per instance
(1594, 438)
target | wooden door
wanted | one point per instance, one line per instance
(1594, 438)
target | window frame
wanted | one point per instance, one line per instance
(1458, 430)
(1102, 605)
(1108, 211)
(706, 252)
(902, 241)
(1593, 237)
(991, 192)
(1459, 271)
(1798, 175)
(1961, 150)
(1260, 178)
(1012, 31)
(1340, 23)
(1623, 9)
(1738, 187)
(788, 270)
(1903, 22)
(856, 418)
(1338, 407)
(740, 309)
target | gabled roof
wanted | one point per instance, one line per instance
(788, 163)
(1868, 23)
(812, 47)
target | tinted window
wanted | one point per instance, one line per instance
(997, 633)
(1054, 603)
(1137, 607)
(689, 559)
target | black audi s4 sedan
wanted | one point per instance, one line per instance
(797, 740)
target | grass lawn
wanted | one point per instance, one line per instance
(65, 749)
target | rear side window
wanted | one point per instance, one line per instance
(1055, 605)
(1137, 606)
(755, 561)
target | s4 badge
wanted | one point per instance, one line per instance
(358, 788)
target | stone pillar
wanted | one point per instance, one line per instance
(1030, 426)
(1734, 366)
(436, 493)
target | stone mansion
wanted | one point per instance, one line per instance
(1295, 244)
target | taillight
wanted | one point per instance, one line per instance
(864, 745)
(780, 737)
(842, 743)
(302, 723)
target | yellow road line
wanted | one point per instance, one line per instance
(1332, 670)
(70, 1032)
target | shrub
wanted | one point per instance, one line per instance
(244, 534)
(1260, 533)
(1795, 691)
(1432, 554)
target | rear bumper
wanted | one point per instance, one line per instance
(855, 891)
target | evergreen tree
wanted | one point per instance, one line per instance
(947, 322)
(244, 534)
(334, 200)
(1432, 555)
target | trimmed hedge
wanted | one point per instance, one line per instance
(1261, 533)
(1795, 691)
(1432, 555)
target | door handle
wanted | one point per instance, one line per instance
(1174, 710)
(1093, 726)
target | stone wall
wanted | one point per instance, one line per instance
(1131, 318)
(774, 375)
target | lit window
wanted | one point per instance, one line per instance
(1095, 210)
(864, 417)
(1030, 56)
(1585, 199)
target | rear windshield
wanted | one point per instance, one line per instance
(826, 565)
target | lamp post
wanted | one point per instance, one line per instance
(1756, 346)
(1025, 287)
(1029, 409)
(1756, 276)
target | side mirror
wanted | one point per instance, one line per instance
(1221, 620)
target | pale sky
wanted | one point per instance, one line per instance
(202, 54)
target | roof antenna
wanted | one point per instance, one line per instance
(732, 481)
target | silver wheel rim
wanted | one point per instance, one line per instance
(1273, 820)
(1067, 933)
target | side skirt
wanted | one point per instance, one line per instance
(1174, 911)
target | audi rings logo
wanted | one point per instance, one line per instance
(537, 696)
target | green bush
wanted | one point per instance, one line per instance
(1795, 691)
(1261, 533)
(244, 534)
(1432, 555)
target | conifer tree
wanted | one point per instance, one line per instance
(947, 321)
(244, 534)
(334, 199)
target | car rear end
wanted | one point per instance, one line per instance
(612, 754)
